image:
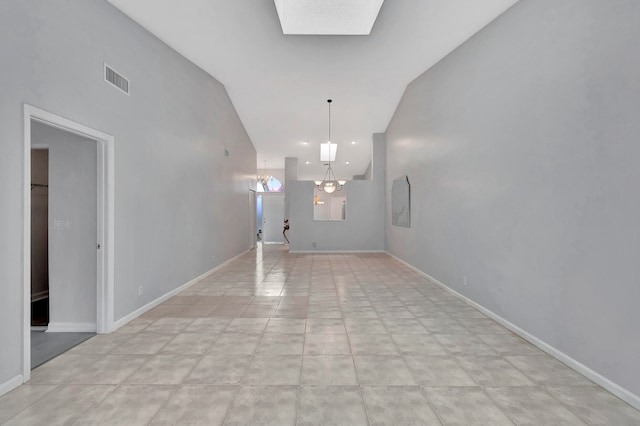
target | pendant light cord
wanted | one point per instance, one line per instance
(329, 102)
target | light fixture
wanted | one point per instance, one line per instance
(264, 179)
(307, 162)
(347, 162)
(329, 183)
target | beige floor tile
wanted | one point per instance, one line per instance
(144, 344)
(326, 344)
(208, 325)
(328, 370)
(532, 406)
(202, 405)
(493, 371)
(464, 344)
(264, 405)
(88, 369)
(383, 371)
(596, 406)
(274, 370)
(20, 398)
(443, 326)
(233, 343)
(135, 326)
(63, 406)
(325, 326)
(546, 371)
(437, 371)
(219, 370)
(228, 311)
(247, 325)
(372, 344)
(364, 326)
(168, 325)
(129, 405)
(190, 344)
(331, 405)
(277, 338)
(509, 344)
(466, 407)
(286, 326)
(164, 370)
(281, 344)
(397, 405)
(100, 344)
(421, 344)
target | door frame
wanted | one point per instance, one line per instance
(265, 196)
(253, 222)
(105, 232)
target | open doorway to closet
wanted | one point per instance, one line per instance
(64, 234)
(68, 235)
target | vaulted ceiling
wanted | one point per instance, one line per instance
(279, 83)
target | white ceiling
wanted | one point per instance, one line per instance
(279, 83)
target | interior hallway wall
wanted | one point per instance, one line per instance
(180, 204)
(522, 151)
(363, 230)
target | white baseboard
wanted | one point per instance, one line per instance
(334, 251)
(72, 327)
(622, 393)
(11, 384)
(135, 314)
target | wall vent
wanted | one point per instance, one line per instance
(116, 79)
(227, 153)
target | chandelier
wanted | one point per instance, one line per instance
(263, 179)
(329, 183)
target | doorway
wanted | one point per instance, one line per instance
(64, 233)
(253, 232)
(93, 181)
(39, 238)
(272, 218)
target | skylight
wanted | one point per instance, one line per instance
(328, 17)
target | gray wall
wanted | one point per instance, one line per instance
(290, 174)
(73, 200)
(522, 150)
(364, 227)
(178, 200)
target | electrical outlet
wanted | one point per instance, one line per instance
(140, 291)
(465, 281)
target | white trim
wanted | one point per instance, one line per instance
(71, 327)
(135, 314)
(334, 251)
(11, 384)
(622, 393)
(106, 217)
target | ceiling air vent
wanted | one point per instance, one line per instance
(117, 80)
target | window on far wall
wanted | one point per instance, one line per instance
(270, 184)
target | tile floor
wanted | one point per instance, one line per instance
(282, 339)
